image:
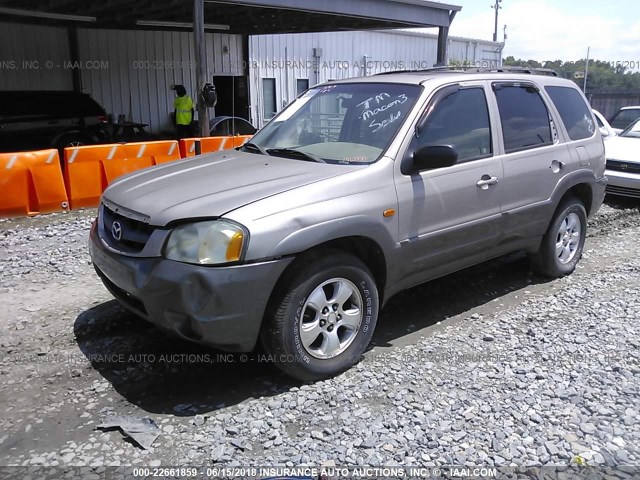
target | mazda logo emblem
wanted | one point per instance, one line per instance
(116, 230)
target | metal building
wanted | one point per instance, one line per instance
(128, 72)
(128, 57)
(283, 66)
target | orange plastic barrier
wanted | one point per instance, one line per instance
(207, 145)
(89, 169)
(240, 140)
(161, 151)
(31, 183)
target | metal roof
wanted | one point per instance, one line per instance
(239, 16)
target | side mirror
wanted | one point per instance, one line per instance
(433, 156)
(604, 132)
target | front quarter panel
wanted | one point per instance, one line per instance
(348, 205)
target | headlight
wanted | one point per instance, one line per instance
(206, 243)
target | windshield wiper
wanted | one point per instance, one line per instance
(254, 147)
(296, 154)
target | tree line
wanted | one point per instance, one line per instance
(618, 76)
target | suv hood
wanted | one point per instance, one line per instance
(622, 148)
(211, 185)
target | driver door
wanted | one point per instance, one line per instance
(450, 217)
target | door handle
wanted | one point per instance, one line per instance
(485, 181)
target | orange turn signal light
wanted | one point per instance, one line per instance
(234, 249)
(389, 213)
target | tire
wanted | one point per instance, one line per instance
(334, 299)
(562, 244)
(72, 140)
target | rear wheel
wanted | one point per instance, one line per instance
(323, 318)
(563, 242)
(72, 140)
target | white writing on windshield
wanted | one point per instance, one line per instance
(375, 125)
(373, 106)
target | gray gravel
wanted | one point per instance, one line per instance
(545, 374)
(42, 249)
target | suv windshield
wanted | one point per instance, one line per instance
(623, 118)
(350, 123)
(632, 130)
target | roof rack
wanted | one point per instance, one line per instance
(442, 68)
(473, 69)
(532, 71)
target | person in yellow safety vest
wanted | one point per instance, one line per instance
(183, 112)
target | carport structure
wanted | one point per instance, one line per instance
(243, 17)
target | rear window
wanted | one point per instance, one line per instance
(73, 106)
(19, 104)
(573, 110)
(524, 117)
(48, 104)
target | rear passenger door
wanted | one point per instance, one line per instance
(533, 157)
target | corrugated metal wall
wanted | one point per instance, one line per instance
(33, 59)
(130, 72)
(127, 72)
(349, 54)
(142, 66)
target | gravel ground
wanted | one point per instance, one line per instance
(488, 367)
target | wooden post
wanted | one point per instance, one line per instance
(201, 64)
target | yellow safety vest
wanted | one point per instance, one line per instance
(183, 106)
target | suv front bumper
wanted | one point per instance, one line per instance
(217, 306)
(623, 183)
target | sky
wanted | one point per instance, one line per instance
(556, 30)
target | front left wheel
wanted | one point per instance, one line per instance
(322, 317)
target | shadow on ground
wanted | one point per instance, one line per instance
(161, 373)
(622, 203)
(426, 305)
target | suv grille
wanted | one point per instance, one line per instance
(133, 234)
(629, 167)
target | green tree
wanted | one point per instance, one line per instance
(602, 75)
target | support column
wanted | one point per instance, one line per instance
(443, 39)
(201, 64)
(74, 57)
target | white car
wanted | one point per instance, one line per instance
(623, 162)
(605, 129)
(625, 117)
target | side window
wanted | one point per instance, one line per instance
(462, 121)
(302, 85)
(524, 117)
(575, 113)
(269, 108)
